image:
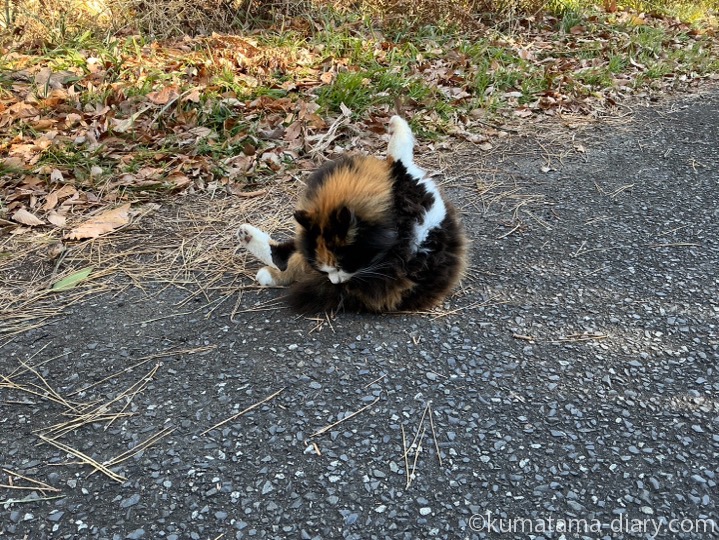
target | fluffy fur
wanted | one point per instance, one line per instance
(372, 235)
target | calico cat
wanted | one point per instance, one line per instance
(372, 235)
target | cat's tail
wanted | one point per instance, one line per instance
(315, 294)
(401, 140)
(401, 146)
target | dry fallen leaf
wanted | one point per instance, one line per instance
(66, 191)
(56, 219)
(485, 146)
(56, 196)
(525, 54)
(180, 180)
(26, 218)
(523, 112)
(103, 223)
(193, 96)
(124, 125)
(164, 96)
(50, 201)
(13, 162)
(56, 176)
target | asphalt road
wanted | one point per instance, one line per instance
(570, 390)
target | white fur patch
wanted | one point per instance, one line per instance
(264, 277)
(401, 148)
(434, 216)
(256, 242)
(336, 276)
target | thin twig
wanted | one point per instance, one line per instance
(675, 244)
(434, 435)
(85, 459)
(327, 428)
(139, 447)
(419, 427)
(42, 486)
(405, 457)
(417, 452)
(32, 500)
(248, 409)
(144, 360)
(510, 232)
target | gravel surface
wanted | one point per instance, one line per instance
(572, 394)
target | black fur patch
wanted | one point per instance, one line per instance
(435, 269)
(281, 253)
(315, 294)
(411, 202)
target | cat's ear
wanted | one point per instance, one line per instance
(343, 220)
(303, 218)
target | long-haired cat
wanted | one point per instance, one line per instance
(372, 235)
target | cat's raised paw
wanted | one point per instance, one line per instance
(256, 242)
(244, 234)
(264, 277)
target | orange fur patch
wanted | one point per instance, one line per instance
(366, 189)
(324, 255)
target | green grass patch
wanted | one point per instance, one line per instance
(361, 89)
(595, 77)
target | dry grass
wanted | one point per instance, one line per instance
(190, 246)
(55, 21)
(414, 12)
(40, 22)
(178, 17)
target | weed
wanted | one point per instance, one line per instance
(658, 70)
(595, 77)
(506, 79)
(570, 19)
(617, 63)
(66, 157)
(530, 87)
(482, 80)
(352, 89)
(648, 39)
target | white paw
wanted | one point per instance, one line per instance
(264, 277)
(256, 242)
(244, 234)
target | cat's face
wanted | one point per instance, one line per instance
(326, 243)
(340, 245)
